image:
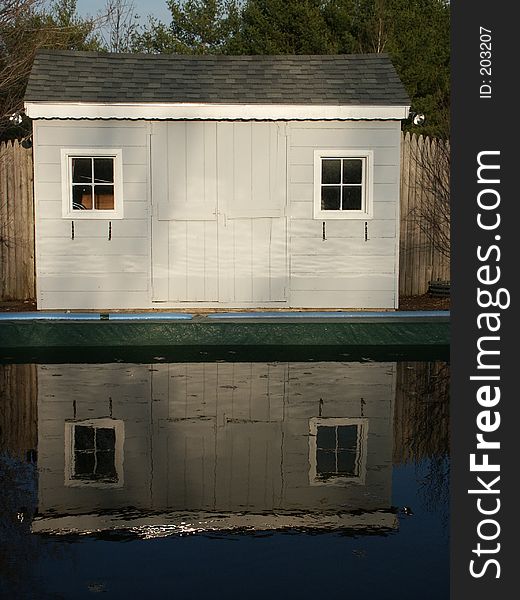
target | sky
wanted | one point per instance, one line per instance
(143, 8)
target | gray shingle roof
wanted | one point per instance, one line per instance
(67, 76)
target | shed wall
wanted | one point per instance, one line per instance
(355, 266)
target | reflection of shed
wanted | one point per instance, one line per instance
(167, 181)
(308, 442)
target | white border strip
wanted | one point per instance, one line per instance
(269, 112)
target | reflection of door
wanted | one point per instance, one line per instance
(219, 225)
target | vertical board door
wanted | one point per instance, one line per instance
(219, 224)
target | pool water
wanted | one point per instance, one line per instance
(225, 479)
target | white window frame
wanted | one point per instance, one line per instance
(119, 429)
(67, 154)
(367, 184)
(361, 451)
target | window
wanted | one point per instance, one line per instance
(94, 453)
(92, 183)
(343, 184)
(337, 450)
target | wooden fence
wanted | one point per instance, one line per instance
(420, 260)
(16, 223)
(425, 214)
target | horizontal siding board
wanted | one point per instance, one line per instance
(342, 299)
(344, 282)
(304, 210)
(61, 228)
(92, 137)
(311, 264)
(85, 247)
(123, 282)
(345, 137)
(132, 155)
(102, 299)
(342, 248)
(59, 264)
(354, 228)
(304, 155)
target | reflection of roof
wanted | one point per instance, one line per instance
(69, 76)
(176, 523)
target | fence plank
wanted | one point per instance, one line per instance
(16, 223)
(420, 261)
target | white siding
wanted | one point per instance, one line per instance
(355, 265)
(230, 216)
(91, 270)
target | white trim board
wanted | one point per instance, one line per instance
(163, 111)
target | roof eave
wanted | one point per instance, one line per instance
(208, 111)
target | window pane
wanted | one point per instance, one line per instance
(103, 170)
(325, 463)
(83, 438)
(105, 438)
(330, 198)
(104, 197)
(351, 198)
(106, 466)
(81, 170)
(347, 464)
(352, 170)
(331, 170)
(84, 465)
(81, 197)
(326, 438)
(347, 436)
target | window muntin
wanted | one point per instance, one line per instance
(343, 184)
(92, 184)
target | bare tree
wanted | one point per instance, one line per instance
(121, 23)
(433, 210)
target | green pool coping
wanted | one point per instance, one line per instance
(426, 332)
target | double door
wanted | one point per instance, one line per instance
(219, 231)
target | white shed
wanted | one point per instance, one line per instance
(216, 181)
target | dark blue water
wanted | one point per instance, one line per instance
(403, 491)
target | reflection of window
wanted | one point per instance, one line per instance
(92, 184)
(337, 450)
(94, 453)
(342, 184)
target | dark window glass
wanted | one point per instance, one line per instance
(106, 467)
(347, 462)
(347, 436)
(81, 197)
(104, 197)
(103, 170)
(105, 438)
(84, 465)
(331, 170)
(325, 463)
(83, 438)
(330, 198)
(351, 198)
(326, 438)
(352, 170)
(81, 170)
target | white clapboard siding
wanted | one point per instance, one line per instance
(355, 228)
(327, 264)
(102, 299)
(85, 247)
(342, 263)
(344, 282)
(125, 282)
(334, 299)
(95, 134)
(61, 228)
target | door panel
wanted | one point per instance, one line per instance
(220, 188)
